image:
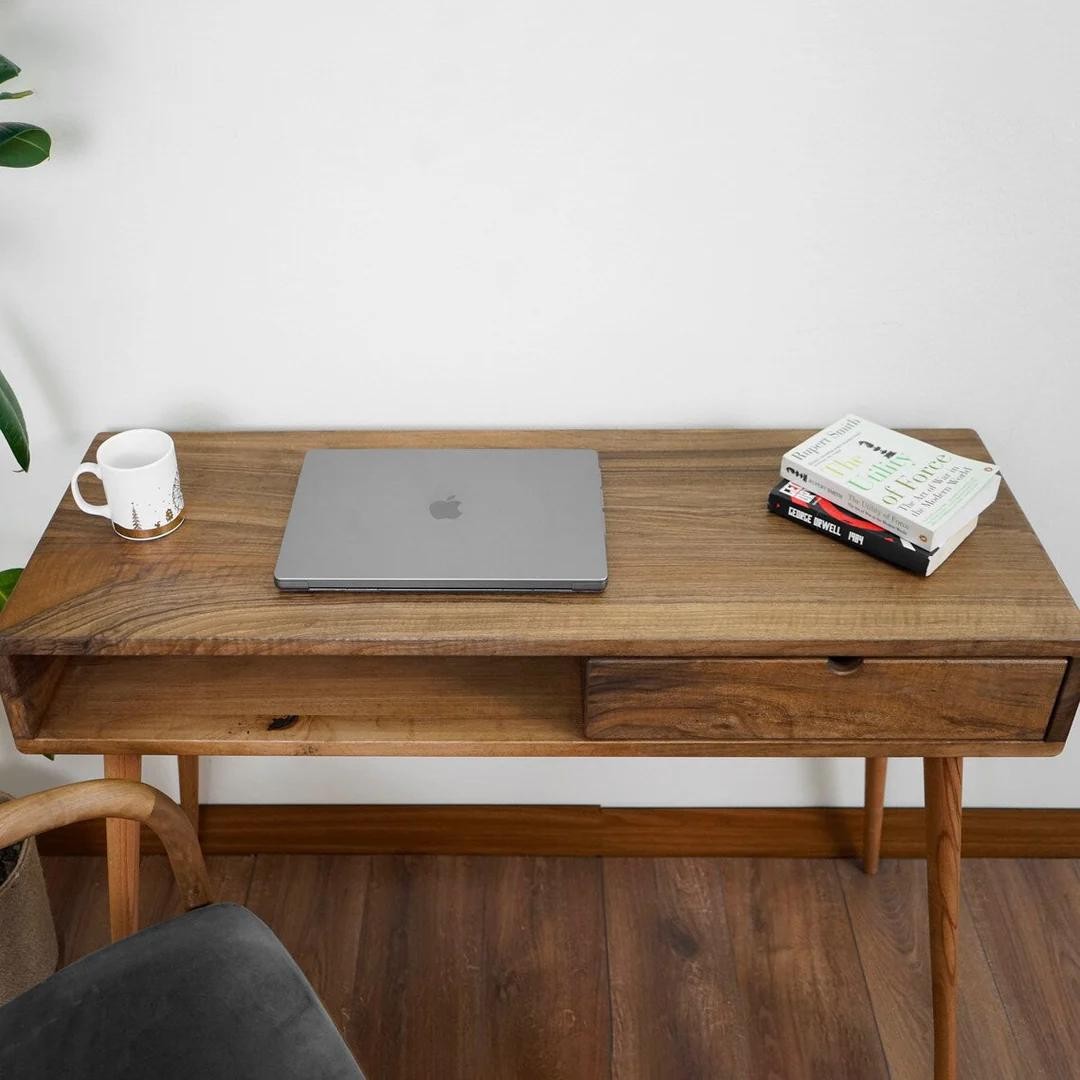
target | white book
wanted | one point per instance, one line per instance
(950, 545)
(920, 492)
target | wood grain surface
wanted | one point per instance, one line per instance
(943, 784)
(79, 896)
(796, 956)
(662, 920)
(697, 568)
(807, 832)
(303, 897)
(433, 706)
(461, 984)
(805, 699)
(122, 837)
(27, 684)
(116, 800)
(514, 961)
(873, 812)
(888, 918)
(187, 769)
(1064, 713)
(1035, 956)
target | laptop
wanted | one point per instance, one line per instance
(446, 521)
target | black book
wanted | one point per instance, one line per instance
(796, 503)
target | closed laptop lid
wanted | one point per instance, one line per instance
(446, 520)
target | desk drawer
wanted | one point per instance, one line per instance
(820, 699)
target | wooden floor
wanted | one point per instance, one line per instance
(513, 968)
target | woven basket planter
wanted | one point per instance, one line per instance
(28, 950)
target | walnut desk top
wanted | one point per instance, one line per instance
(713, 637)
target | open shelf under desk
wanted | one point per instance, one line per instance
(310, 705)
(366, 706)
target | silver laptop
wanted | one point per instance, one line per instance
(446, 521)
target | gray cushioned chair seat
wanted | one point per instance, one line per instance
(211, 995)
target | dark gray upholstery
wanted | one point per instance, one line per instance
(211, 995)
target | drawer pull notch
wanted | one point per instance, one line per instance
(844, 665)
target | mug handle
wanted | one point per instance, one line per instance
(76, 494)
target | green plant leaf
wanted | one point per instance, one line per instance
(23, 145)
(12, 424)
(14, 95)
(8, 70)
(7, 583)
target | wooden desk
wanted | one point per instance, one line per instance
(724, 631)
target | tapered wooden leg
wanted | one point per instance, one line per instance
(122, 850)
(943, 779)
(873, 812)
(188, 767)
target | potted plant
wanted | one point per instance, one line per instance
(27, 935)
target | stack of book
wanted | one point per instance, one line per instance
(884, 493)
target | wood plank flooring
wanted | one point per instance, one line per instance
(510, 968)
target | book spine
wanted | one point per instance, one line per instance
(881, 545)
(849, 500)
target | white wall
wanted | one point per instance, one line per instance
(497, 213)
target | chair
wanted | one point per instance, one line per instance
(210, 995)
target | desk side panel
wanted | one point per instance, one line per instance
(27, 685)
(1068, 702)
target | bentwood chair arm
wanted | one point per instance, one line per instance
(32, 814)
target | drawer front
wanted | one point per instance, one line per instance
(820, 699)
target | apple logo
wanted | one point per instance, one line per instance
(449, 507)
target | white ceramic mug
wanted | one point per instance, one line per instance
(138, 470)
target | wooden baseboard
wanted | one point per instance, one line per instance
(592, 830)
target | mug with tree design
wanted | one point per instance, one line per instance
(141, 478)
